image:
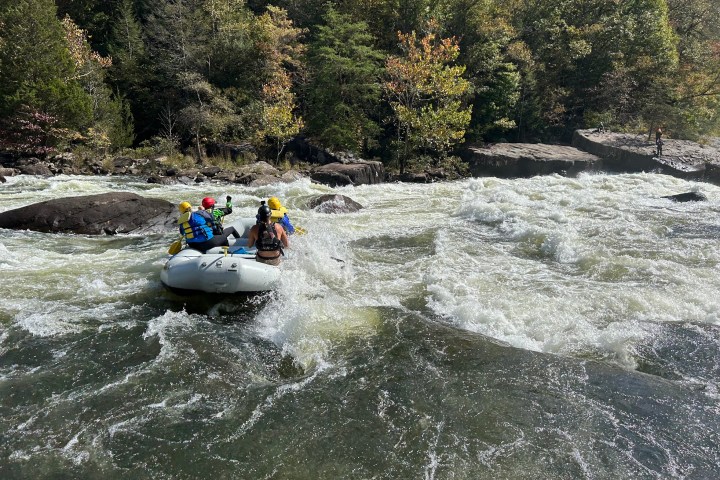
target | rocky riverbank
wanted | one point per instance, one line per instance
(339, 171)
(590, 150)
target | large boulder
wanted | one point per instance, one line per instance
(527, 159)
(106, 213)
(36, 169)
(334, 204)
(356, 173)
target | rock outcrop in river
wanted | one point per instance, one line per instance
(592, 149)
(627, 152)
(106, 213)
(527, 160)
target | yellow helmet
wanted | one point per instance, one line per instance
(184, 207)
(274, 203)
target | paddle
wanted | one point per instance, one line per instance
(300, 231)
(176, 246)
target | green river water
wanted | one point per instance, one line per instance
(551, 327)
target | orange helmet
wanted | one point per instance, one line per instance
(208, 203)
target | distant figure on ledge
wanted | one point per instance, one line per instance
(658, 141)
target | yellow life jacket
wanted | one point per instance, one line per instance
(277, 215)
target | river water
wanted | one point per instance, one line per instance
(534, 328)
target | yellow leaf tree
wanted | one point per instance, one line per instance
(426, 94)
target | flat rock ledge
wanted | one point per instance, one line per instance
(511, 160)
(626, 152)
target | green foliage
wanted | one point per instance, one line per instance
(344, 91)
(112, 125)
(186, 72)
(487, 51)
(121, 130)
(207, 113)
(36, 65)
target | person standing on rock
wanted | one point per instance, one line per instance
(658, 141)
(269, 238)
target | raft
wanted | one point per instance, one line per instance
(230, 269)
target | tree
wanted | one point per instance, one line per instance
(692, 111)
(489, 51)
(591, 57)
(345, 90)
(38, 71)
(130, 73)
(112, 124)
(279, 46)
(278, 122)
(207, 113)
(425, 93)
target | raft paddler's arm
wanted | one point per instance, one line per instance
(283, 236)
(252, 237)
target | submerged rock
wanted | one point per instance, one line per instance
(106, 213)
(687, 197)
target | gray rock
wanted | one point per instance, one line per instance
(36, 169)
(263, 180)
(2, 179)
(334, 204)
(527, 160)
(157, 179)
(413, 177)
(8, 172)
(107, 213)
(123, 162)
(341, 174)
(65, 159)
(259, 168)
(225, 176)
(627, 152)
(211, 171)
(291, 175)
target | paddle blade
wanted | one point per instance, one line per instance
(175, 247)
(300, 231)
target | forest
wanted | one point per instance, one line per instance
(407, 82)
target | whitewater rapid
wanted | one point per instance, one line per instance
(582, 266)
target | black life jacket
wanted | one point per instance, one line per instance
(268, 240)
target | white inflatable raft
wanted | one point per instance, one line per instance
(221, 270)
